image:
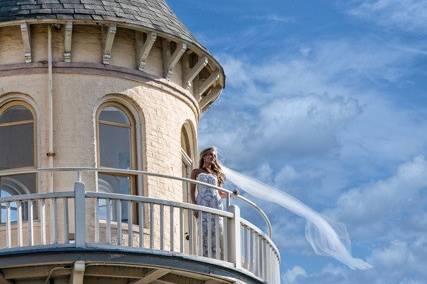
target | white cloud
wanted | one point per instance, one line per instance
(270, 18)
(395, 255)
(286, 174)
(394, 263)
(385, 198)
(292, 275)
(398, 14)
(292, 124)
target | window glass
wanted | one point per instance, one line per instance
(113, 114)
(16, 146)
(114, 184)
(115, 146)
(185, 142)
(16, 113)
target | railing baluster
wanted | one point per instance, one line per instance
(264, 262)
(8, 227)
(130, 224)
(162, 226)
(209, 236)
(225, 239)
(42, 208)
(151, 226)
(248, 249)
(30, 223)
(260, 255)
(80, 214)
(53, 208)
(141, 223)
(256, 255)
(243, 244)
(119, 221)
(66, 230)
(20, 242)
(201, 253)
(190, 231)
(171, 227)
(217, 237)
(181, 230)
(270, 265)
(96, 211)
(108, 227)
(252, 256)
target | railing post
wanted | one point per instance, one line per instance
(234, 237)
(80, 214)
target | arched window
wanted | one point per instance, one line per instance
(17, 151)
(187, 146)
(187, 160)
(116, 150)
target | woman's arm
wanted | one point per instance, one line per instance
(222, 194)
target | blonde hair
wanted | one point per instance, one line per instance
(216, 167)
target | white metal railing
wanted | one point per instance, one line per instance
(83, 218)
(79, 170)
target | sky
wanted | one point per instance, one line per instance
(326, 100)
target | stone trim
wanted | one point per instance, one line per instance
(104, 70)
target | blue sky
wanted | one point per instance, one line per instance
(326, 100)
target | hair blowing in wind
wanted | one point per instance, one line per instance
(323, 238)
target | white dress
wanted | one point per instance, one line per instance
(209, 197)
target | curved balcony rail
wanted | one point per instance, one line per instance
(88, 219)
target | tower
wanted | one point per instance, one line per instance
(99, 106)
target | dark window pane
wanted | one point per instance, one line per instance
(16, 185)
(114, 114)
(114, 184)
(16, 146)
(16, 113)
(115, 146)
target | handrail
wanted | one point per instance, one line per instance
(35, 196)
(144, 199)
(78, 171)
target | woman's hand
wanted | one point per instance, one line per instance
(222, 194)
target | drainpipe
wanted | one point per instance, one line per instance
(51, 153)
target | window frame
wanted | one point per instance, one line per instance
(4, 106)
(188, 159)
(133, 145)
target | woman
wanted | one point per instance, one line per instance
(209, 171)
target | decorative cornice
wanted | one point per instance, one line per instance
(145, 40)
(108, 71)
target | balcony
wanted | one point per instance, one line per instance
(155, 240)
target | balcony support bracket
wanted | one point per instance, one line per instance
(152, 276)
(78, 272)
(26, 40)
